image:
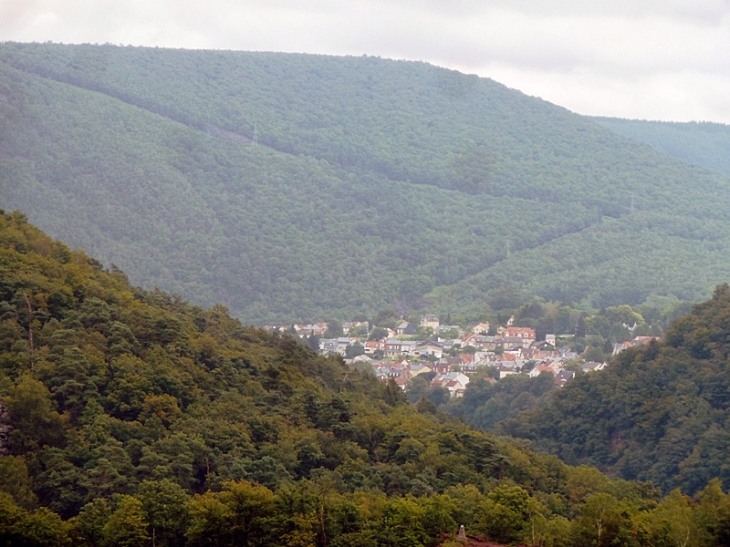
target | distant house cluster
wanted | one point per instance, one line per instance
(449, 362)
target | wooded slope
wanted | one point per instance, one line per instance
(135, 417)
(658, 412)
(706, 144)
(374, 182)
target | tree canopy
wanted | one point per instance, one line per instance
(374, 183)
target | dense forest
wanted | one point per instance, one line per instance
(133, 418)
(706, 144)
(657, 413)
(372, 183)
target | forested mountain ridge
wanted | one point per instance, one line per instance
(136, 418)
(706, 144)
(657, 413)
(375, 182)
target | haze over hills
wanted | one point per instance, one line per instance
(706, 144)
(373, 183)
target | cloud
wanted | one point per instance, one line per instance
(670, 58)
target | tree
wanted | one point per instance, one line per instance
(604, 522)
(503, 516)
(313, 342)
(165, 508)
(353, 350)
(209, 521)
(334, 329)
(15, 481)
(378, 333)
(595, 354)
(126, 526)
(581, 328)
(31, 413)
(438, 395)
(679, 519)
(90, 521)
(250, 508)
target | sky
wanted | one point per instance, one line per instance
(643, 59)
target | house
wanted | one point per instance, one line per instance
(328, 346)
(643, 340)
(430, 321)
(371, 346)
(551, 339)
(408, 347)
(402, 363)
(405, 328)
(309, 329)
(401, 382)
(419, 368)
(488, 342)
(481, 328)
(592, 366)
(347, 326)
(505, 371)
(563, 377)
(512, 342)
(392, 347)
(466, 340)
(342, 344)
(455, 382)
(430, 348)
(526, 333)
(540, 368)
(483, 357)
(445, 328)
(449, 343)
(387, 371)
(481, 341)
(637, 341)
(565, 354)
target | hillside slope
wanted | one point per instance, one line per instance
(135, 418)
(658, 413)
(374, 183)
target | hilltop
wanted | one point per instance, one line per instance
(371, 183)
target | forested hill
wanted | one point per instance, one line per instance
(132, 418)
(659, 412)
(373, 183)
(706, 144)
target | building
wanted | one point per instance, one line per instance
(406, 328)
(430, 321)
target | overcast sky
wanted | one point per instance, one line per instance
(647, 59)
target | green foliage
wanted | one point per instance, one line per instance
(485, 404)
(35, 422)
(658, 412)
(704, 143)
(375, 184)
(126, 525)
(140, 419)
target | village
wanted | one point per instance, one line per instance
(449, 354)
